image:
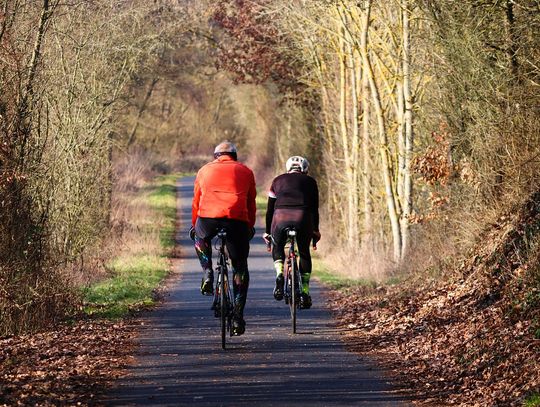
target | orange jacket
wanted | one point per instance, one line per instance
(224, 188)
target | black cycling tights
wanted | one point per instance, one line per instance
(238, 247)
(301, 220)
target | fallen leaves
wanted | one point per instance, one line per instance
(452, 354)
(68, 365)
(471, 341)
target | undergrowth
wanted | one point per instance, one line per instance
(532, 401)
(143, 262)
(337, 281)
(470, 337)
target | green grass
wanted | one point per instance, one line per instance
(131, 286)
(134, 278)
(162, 199)
(337, 281)
(532, 401)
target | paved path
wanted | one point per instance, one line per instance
(180, 361)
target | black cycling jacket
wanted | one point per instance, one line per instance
(293, 190)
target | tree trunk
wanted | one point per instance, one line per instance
(383, 147)
(512, 39)
(346, 147)
(142, 108)
(366, 157)
(28, 95)
(353, 179)
(409, 134)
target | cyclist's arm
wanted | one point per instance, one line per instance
(195, 202)
(270, 213)
(251, 204)
(316, 208)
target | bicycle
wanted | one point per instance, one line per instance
(291, 273)
(223, 300)
(292, 278)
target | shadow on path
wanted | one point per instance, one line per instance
(180, 361)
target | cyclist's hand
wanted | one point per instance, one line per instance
(267, 239)
(251, 233)
(192, 233)
(316, 238)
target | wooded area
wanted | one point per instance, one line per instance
(436, 95)
(420, 118)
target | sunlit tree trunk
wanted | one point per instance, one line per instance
(353, 66)
(400, 117)
(347, 147)
(383, 145)
(408, 130)
(366, 139)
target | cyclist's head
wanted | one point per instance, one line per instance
(297, 164)
(225, 148)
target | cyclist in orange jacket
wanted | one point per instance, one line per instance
(224, 197)
(293, 201)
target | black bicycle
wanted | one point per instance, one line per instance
(292, 278)
(223, 300)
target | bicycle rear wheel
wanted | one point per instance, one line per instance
(223, 305)
(294, 295)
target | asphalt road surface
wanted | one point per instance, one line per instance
(179, 361)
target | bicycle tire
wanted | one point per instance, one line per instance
(294, 299)
(223, 305)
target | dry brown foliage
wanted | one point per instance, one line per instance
(65, 366)
(130, 212)
(474, 340)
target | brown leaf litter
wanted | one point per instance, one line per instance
(470, 341)
(69, 365)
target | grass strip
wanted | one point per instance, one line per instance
(134, 277)
(162, 199)
(532, 401)
(337, 281)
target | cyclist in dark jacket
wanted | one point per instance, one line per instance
(293, 201)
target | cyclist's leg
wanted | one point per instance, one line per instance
(238, 248)
(278, 255)
(305, 269)
(205, 229)
(203, 248)
(301, 220)
(304, 240)
(278, 248)
(304, 237)
(283, 218)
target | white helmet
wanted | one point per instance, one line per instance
(297, 163)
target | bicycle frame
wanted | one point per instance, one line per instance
(223, 303)
(292, 278)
